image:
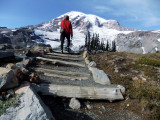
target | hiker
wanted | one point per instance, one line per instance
(66, 32)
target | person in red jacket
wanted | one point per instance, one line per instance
(67, 26)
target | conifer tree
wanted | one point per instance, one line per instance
(86, 42)
(107, 46)
(113, 46)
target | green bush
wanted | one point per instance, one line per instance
(90, 58)
(149, 61)
(8, 103)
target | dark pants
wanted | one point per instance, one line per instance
(62, 37)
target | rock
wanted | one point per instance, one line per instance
(4, 54)
(116, 70)
(28, 53)
(22, 88)
(103, 108)
(11, 66)
(26, 62)
(20, 65)
(89, 107)
(10, 92)
(86, 60)
(20, 75)
(7, 79)
(99, 51)
(122, 89)
(135, 78)
(31, 107)
(138, 42)
(2, 47)
(34, 78)
(48, 50)
(85, 54)
(144, 79)
(99, 76)
(24, 70)
(92, 64)
(74, 104)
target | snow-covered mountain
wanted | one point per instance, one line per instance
(107, 29)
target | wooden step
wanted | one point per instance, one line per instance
(71, 91)
(65, 55)
(61, 62)
(63, 74)
(63, 58)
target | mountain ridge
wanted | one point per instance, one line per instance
(127, 39)
(88, 20)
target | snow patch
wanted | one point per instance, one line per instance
(158, 40)
(144, 52)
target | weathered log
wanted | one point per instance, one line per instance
(63, 58)
(55, 61)
(66, 77)
(106, 93)
(68, 73)
(63, 74)
(65, 55)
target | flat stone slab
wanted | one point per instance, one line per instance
(106, 93)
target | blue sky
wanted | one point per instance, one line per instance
(139, 14)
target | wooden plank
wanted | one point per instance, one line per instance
(55, 61)
(67, 73)
(65, 55)
(59, 51)
(63, 58)
(66, 77)
(106, 93)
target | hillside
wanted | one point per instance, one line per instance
(140, 75)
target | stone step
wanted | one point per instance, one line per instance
(110, 93)
(60, 62)
(63, 74)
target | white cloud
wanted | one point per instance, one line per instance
(103, 9)
(143, 11)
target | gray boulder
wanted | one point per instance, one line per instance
(7, 79)
(122, 89)
(92, 64)
(31, 107)
(99, 76)
(74, 104)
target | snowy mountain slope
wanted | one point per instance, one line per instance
(81, 23)
(127, 39)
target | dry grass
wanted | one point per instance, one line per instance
(138, 73)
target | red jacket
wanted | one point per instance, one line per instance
(67, 26)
